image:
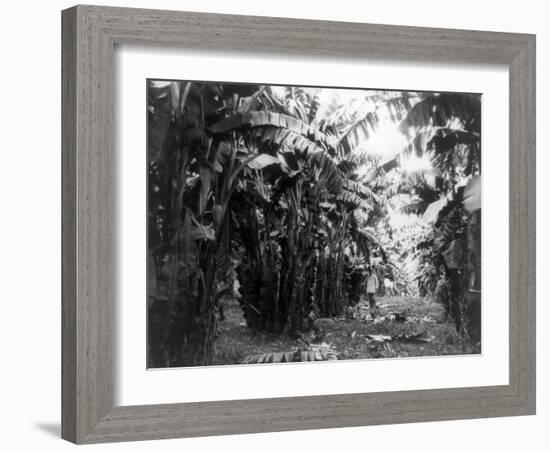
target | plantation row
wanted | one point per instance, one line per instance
(274, 195)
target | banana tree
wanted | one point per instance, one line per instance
(192, 176)
(301, 204)
(446, 129)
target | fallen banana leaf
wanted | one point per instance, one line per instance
(407, 338)
(414, 338)
(321, 352)
(378, 337)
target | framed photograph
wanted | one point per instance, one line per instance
(265, 229)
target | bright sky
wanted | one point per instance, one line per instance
(387, 141)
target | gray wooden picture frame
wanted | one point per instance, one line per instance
(90, 34)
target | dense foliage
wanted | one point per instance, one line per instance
(272, 195)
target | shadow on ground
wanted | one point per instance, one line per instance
(53, 429)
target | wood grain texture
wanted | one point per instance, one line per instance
(68, 224)
(89, 36)
(522, 283)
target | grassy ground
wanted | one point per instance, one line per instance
(356, 336)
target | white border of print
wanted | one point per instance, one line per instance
(135, 385)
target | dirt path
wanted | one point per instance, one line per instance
(403, 327)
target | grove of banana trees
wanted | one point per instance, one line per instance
(283, 197)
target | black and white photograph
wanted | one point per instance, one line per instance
(298, 224)
(263, 225)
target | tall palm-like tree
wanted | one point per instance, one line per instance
(301, 203)
(192, 176)
(446, 130)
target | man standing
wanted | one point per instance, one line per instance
(372, 287)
